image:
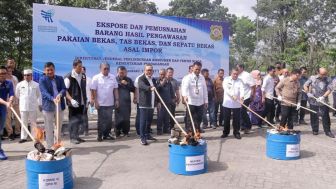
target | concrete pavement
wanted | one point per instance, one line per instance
(124, 163)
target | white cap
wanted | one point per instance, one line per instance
(27, 71)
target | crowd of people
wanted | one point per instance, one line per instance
(279, 96)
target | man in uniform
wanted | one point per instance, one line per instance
(233, 98)
(28, 93)
(289, 90)
(319, 87)
(195, 94)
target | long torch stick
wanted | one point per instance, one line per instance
(23, 125)
(322, 102)
(171, 115)
(257, 114)
(191, 118)
(291, 103)
(57, 123)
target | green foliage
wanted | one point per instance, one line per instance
(138, 6)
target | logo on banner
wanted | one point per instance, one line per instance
(47, 15)
(216, 33)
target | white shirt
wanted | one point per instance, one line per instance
(268, 86)
(104, 86)
(195, 89)
(29, 95)
(88, 87)
(248, 83)
(232, 88)
(78, 78)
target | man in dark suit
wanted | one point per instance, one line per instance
(53, 91)
(146, 85)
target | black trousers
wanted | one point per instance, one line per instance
(287, 116)
(323, 111)
(277, 104)
(219, 118)
(84, 127)
(197, 113)
(245, 122)
(235, 120)
(269, 110)
(300, 114)
(76, 118)
(171, 120)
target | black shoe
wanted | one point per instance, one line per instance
(143, 142)
(213, 126)
(302, 122)
(151, 138)
(276, 120)
(329, 134)
(108, 137)
(80, 140)
(73, 141)
(237, 136)
(202, 131)
(22, 140)
(315, 132)
(224, 135)
(117, 133)
(99, 139)
(11, 137)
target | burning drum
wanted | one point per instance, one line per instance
(49, 174)
(283, 146)
(188, 159)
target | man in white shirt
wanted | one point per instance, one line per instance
(249, 92)
(28, 93)
(195, 93)
(105, 97)
(267, 89)
(233, 97)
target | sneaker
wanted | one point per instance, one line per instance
(2, 155)
(143, 142)
(22, 140)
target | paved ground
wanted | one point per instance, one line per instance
(233, 163)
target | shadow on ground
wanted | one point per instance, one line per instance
(87, 182)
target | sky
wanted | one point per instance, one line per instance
(237, 7)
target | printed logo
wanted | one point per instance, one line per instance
(216, 33)
(47, 15)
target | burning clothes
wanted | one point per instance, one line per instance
(189, 139)
(49, 154)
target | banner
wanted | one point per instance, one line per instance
(61, 34)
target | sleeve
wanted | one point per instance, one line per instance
(299, 95)
(264, 84)
(241, 89)
(205, 91)
(38, 94)
(115, 83)
(130, 85)
(17, 91)
(279, 87)
(330, 84)
(11, 89)
(226, 88)
(184, 86)
(44, 92)
(63, 88)
(67, 83)
(94, 83)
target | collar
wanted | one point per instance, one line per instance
(148, 77)
(194, 76)
(75, 74)
(103, 76)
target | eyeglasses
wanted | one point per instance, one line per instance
(106, 68)
(27, 75)
(149, 70)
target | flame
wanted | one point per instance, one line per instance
(57, 145)
(39, 134)
(197, 135)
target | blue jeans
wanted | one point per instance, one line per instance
(146, 117)
(104, 120)
(212, 116)
(2, 125)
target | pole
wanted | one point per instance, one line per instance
(23, 125)
(291, 103)
(191, 118)
(322, 102)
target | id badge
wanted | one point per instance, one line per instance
(197, 91)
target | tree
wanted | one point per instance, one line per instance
(243, 40)
(138, 6)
